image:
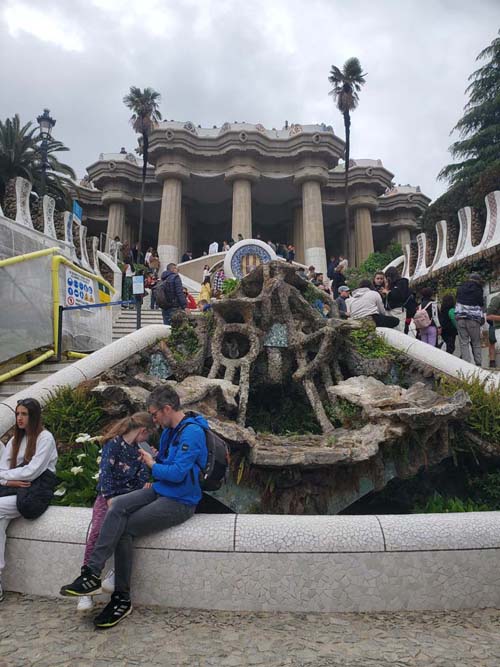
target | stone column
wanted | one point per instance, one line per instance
(184, 232)
(242, 177)
(402, 236)
(169, 234)
(298, 234)
(363, 233)
(242, 209)
(116, 222)
(314, 234)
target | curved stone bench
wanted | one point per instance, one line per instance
(281, 563)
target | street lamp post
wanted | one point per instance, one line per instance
(46, 124)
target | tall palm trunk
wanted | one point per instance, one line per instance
(145, 147)
(348, 249)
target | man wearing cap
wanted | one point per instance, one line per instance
(470, 316)
(344, 293)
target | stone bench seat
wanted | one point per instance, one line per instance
(281, 563)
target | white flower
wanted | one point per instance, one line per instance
(60, 492)
(83, 437)
(81, 456)
(96, 476)
(76, 470)
(99, 459)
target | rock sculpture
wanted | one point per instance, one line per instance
(269, 336)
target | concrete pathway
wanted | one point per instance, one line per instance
(48, 633)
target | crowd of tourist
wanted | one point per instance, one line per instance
(386, 298)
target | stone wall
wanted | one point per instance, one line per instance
(281, 563)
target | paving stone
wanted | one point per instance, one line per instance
(190, 638)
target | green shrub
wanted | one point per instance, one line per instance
(376, 261)
(486, 490)
(439, 504)
(484, 417)
(369, 344)
(229, 286)
(183, 342)
(78, 470)
(70, 412)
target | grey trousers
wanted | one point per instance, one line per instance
(137, 513)
(469, 332)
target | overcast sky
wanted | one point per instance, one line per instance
(259, 61)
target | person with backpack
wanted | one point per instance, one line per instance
(172, 500)
(469, 315)
(448, 322)
(426, 318)
(169, 293)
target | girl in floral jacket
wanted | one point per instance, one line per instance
(120, 471)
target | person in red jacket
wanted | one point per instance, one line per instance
(190, 300)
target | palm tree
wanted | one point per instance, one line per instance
(145, 115)
(347, 84)
(20, 156)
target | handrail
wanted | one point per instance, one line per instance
(26, 366)
(29, 255)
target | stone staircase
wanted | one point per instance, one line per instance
(30, 377)
(125, 323)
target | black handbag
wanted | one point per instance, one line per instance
(32, 501)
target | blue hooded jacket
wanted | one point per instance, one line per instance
(180, 459)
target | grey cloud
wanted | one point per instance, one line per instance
(258, 62)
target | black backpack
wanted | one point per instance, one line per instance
(165, 294)
(215, 472)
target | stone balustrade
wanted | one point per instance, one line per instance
(465, 248)
(280, 563)
(19, 211)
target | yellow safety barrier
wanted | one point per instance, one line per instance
(56, 261)
(26, 366)
(77, 355)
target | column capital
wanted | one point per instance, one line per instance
(363, 201)
(116, 197)
(172, 170)
(242, 172)
(317, 174)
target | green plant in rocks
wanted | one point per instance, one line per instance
(369, 344)
(70, 412)
(183, 341)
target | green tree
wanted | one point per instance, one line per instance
(20, 156)
(145, 115)
(479, 145)
(347, 83)
(479, 128)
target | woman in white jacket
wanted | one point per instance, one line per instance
(29, 453)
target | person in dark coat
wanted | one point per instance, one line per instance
(174, 285)
(469, 315)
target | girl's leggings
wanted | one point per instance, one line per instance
(98, 513)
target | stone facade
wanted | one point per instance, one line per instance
(281, 185)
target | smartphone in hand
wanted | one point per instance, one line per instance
(147, 448)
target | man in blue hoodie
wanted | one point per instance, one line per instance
(171, 500)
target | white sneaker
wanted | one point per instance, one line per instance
(85, 603)
(108, 583)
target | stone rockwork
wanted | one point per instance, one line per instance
(267, 340)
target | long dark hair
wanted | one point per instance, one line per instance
(447, 302)
(32, 431)
(392, 275)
